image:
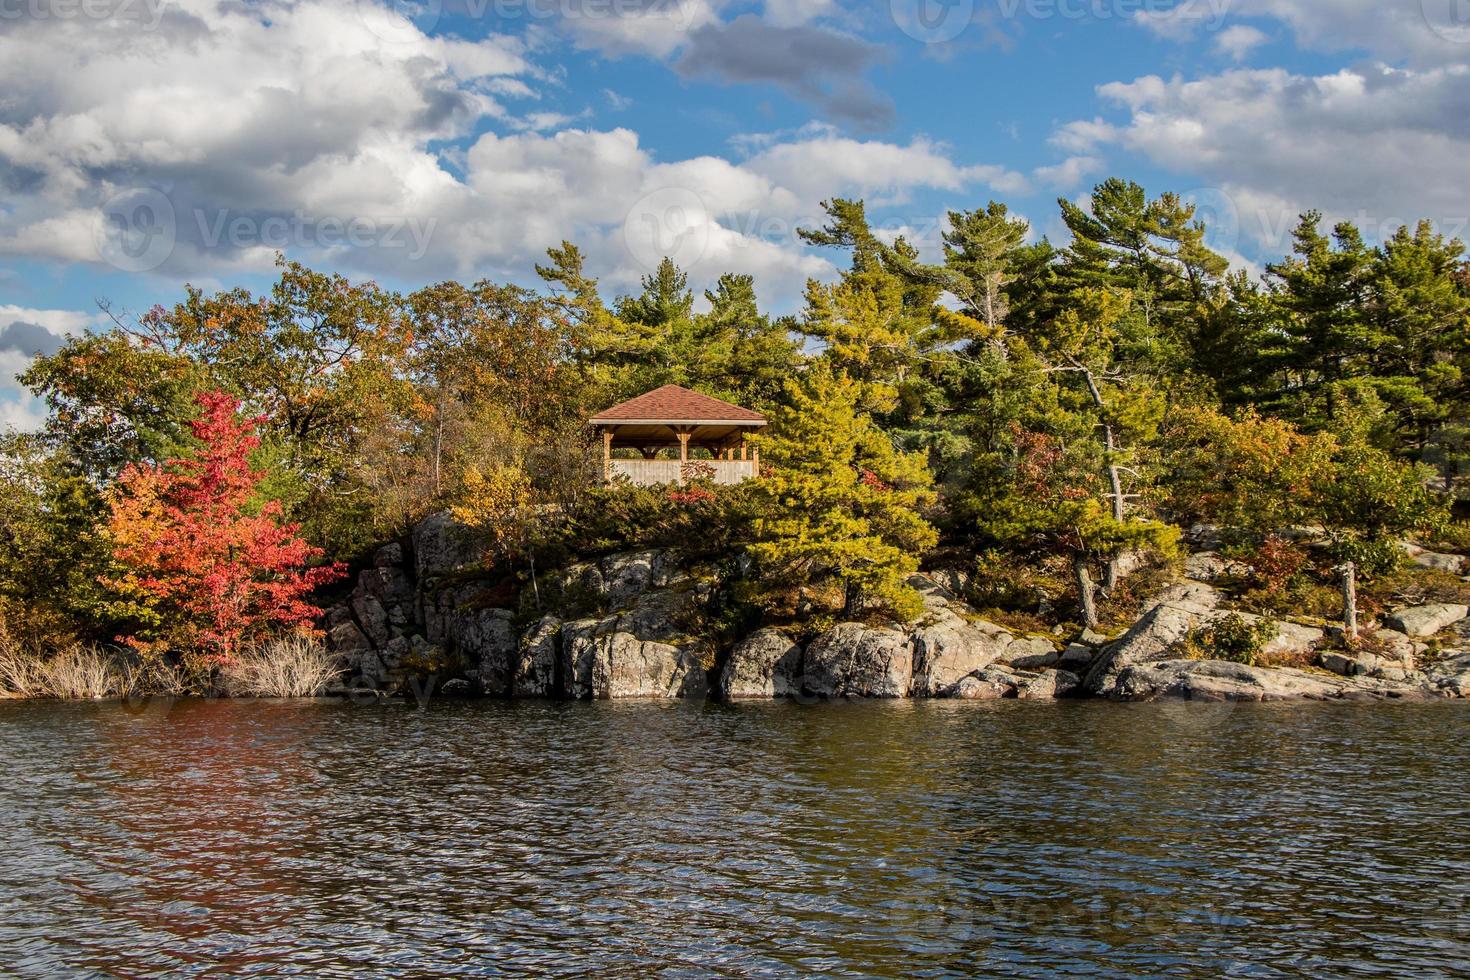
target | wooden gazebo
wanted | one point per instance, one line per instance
(696, 431)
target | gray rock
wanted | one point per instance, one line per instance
(1179, 609)
(990, 684)
(1291, 639)
(1131, 561)
(342, 632)
(440, 547)
(487, 639)
(646, 669)
(599, 661)
(1349, 663)
(1393, 658)
(373, 619)
(658, 615)
(860, 662)
(1207, 566)
(765, 664)
(1427, 620)
(1048, 685)
(1399, 647)
(389, 556)
(1076, 658)
(1454, 564)
(536, 656)
(950, 649)
(581, 672)
(1451, 676)
(394, 654)
(1216, 680)
(1204, 536)
(627, 576)
(955, 581)
(1031, 653)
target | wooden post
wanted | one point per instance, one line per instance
(683, 447)
(1350, 601)
(607, 441)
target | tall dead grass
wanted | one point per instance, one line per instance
(290, 667)
(72, 672)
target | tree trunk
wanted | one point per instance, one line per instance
(438, 445)
(1350, 601)
(1115, 473)
(1085, 591)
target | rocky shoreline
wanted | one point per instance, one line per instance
(421, 611)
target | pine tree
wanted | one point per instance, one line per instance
(838, 503)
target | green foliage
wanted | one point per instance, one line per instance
(1048, 407)
(839, 504)
(1231, 637)
(50, 552)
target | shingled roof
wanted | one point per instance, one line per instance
(673, 405)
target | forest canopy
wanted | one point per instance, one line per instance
(1011, 405)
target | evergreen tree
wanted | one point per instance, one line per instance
(838, 503)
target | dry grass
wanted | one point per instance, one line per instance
(74, 672)
(292, 667)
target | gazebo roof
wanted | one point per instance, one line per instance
(673, 405)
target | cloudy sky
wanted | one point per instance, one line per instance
(149, 143)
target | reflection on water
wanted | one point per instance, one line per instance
(896, 839)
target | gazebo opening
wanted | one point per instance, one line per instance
(672, 435)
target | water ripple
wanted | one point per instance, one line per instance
(771, 840)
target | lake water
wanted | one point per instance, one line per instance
(683, 840)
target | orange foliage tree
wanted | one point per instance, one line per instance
(202, 567)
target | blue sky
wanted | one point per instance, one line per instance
(149, 143)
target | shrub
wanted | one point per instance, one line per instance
(72, 672)
(1276, 562)
(291, 667)
(1232, 637)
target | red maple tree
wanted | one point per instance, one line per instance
(207, 572)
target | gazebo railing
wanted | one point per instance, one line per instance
(656, 472)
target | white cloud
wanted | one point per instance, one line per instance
(656, 28)
(1378, 145)
(19, 335)
(887, 173)
(1068, 174)
(1238, 41)
(1423, 31)
(59, 322)
(342, 135)
(793, 13)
